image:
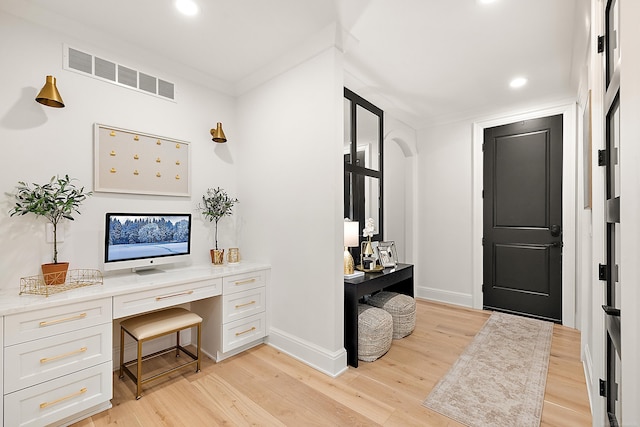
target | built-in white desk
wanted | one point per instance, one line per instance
(57, 358)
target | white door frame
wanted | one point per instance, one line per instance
(568, 111)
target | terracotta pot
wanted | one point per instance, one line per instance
(55, 274)
(217, 256)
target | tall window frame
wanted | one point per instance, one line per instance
(363, 164)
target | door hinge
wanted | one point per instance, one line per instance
(602, 157)
(603, 388)
(600, 44)
(602, 271)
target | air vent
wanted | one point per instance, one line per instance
(112, 72)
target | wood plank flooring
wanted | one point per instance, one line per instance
(265, 387)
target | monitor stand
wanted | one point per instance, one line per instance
(142, 271)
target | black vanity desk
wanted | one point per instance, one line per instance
(398, 279)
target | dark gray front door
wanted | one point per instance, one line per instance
(522, 225)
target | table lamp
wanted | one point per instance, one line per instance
(351, 239)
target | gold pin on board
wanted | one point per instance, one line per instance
(113, 170)
(178, 162)
(158, 160)
(112, 153)
(135, 172)
(158, 174)
(113, 133)
(177, 176)
(135, 157)
(158, 142)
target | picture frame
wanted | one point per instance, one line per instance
(586, 153)
(387, 254)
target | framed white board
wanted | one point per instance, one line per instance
(127, 161)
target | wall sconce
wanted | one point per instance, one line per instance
(49, 94)
(218, 134)
(351, 239)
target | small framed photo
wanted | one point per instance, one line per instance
(387, 254)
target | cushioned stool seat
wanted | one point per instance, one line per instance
(375, 331)
(401, 307)
(154, 325)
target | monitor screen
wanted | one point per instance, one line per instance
(144, 240)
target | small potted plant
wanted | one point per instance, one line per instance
(215, 205)
(56, 200)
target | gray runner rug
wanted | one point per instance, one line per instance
(499, 379)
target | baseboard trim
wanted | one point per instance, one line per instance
(327, 362)
(587, 364)
(449, 297)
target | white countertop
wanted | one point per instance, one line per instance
(121, 283)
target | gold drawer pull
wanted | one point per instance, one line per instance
(174, 295)
(246, 282)
(253, 328)
(77, 393)
(62, 356)
(245, 304)
(65, 319)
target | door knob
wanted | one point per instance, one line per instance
(555, 230)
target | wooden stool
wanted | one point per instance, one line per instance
(154, 325)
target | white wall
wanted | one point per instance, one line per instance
(291, 177)
(39, 142)
(629, 209)
(444, 219)
(399, 169)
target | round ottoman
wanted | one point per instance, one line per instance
(402, 309)
(375, 332)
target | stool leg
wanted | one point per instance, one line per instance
(121, 375)
(198, 349)
(139, 377)
(178, 344)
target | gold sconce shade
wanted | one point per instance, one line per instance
(49, 94)
(218, 134)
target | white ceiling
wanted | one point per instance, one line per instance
(423, 61)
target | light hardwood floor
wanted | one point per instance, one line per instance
(265, 387)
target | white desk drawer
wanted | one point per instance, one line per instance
(241, 282)
(60, 398)
(34, 362)
(143, 301)
(46, 322)
(242, 304)
(243, 331)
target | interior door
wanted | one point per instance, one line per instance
(522, 218)
(611, 158)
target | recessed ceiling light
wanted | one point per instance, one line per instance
(518, 82)
(485, 1)
(187, 7)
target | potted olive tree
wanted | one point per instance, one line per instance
(215, 205)
(56, 200)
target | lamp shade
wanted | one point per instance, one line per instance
(49, 94)
(218, 134)
(351, 233)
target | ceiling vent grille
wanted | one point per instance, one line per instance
(112, 72)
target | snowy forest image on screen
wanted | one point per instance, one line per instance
(135, 237)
